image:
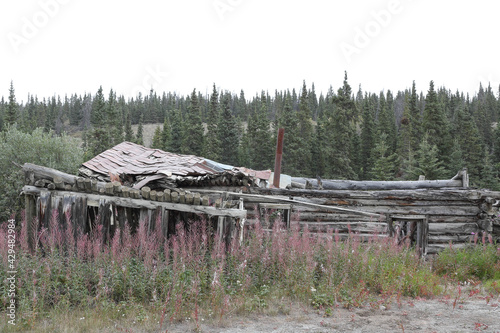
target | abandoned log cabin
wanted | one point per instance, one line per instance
(130, 183)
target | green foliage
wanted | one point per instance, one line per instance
(481, 261)
(228, 132)
(427, 162)
(157, 141)
(192, 141)
(212, 147)
(12, 107)
(46, 149)
(260, 146)
(305, 134)
(383, 167)
(129, 133)
(334, 135)
(139, 137)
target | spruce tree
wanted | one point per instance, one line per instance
(367, 137)
(177, 133)
(435, 122)
(414, 118)
(259, 137)
(384, 161)
(470, 142)
(192, 142)
(428, 163)
(98, 114)
(157, 142)
(288, 120)
(12, 107)
(166, 134)
(139, 138)
(114, 120)
(488, 178)
(228, 132)
(129, 133)
(342, 128)
(305, 134)
(212, 147)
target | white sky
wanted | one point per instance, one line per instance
(72, 46)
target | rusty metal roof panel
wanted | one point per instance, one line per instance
(131, 159)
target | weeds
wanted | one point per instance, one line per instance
(192, 277)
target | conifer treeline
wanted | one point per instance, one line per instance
(339, 135)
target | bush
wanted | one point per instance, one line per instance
(46, 149)
(480, 261)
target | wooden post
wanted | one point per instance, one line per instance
(277, 160)
(30, 216)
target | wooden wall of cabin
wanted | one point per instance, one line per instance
(86, 216)
(452, 215)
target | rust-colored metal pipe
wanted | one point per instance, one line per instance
(277, 160)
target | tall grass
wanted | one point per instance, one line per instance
(193, 275)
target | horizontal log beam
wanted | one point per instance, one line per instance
(140, 203)
(267, 198)
(35, 172)
(379, 185)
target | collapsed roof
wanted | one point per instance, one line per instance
(135, 165)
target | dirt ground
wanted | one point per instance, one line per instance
(470, 314)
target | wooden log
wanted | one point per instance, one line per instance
(51, 186)
(80, 183)
(58, 181)
(30, 204)
(87, 184)
(145, 191)
(125, 191)
(287, 200)
(94, 188)
(108, 188)
(166, 195)
(378, 185)
(189, 198)
(196, 198)
(452, 228)
(182, 197)
(117, 188)
(137, 203)
(159, 196)
(152, 195)
(205, 200)
(450, 194)
(174, 197)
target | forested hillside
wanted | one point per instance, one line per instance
(340, 134)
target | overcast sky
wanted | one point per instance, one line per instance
(74, 46)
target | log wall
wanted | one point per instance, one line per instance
(451, 215)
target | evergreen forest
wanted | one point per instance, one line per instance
(343, 133)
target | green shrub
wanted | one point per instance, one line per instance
(481, 261)
(46, 149)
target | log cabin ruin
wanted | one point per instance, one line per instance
(130, 183)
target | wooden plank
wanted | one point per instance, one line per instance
(139, 203)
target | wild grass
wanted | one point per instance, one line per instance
(143, 278)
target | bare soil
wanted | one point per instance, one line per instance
(466, 314)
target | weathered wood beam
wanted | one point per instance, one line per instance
(379, 185)
(268, 198)
(35, 172)
(140, 203)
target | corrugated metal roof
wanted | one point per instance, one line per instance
(133, 159)
(128, 158)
